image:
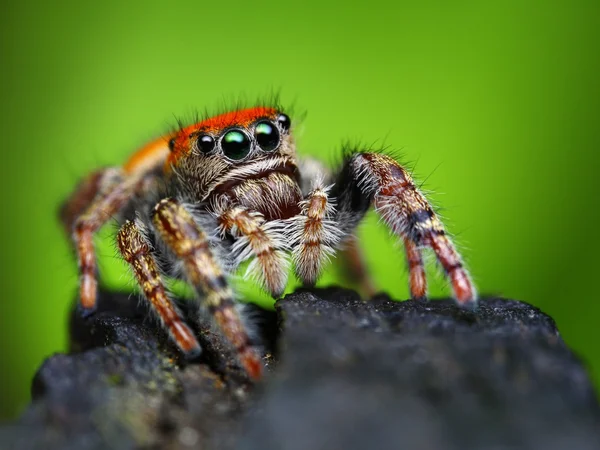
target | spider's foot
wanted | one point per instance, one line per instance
(86, 312)
(185, 339)
(464, 290)
(193, 353)
(251, 362)
(469, 304)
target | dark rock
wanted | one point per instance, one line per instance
(126, 386)
(413, 375)
(352, 375)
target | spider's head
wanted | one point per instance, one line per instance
(235, 137)
(231, 147)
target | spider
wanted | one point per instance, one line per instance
(198, 202)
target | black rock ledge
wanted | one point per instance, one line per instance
(341, 374)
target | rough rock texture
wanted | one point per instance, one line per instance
(351, 375)
(415, 375)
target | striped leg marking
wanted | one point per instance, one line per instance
(411, 217)
(314, 234)
(137, 252)
(189, 243)
(351, 258)
(261, 239)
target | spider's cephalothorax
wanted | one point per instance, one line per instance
(230, 189)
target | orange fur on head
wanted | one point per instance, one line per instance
(215, 125)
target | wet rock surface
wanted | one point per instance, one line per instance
(341, 374)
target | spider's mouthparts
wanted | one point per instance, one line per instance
(270, 187)
(252, 172)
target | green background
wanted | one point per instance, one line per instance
(497, 102)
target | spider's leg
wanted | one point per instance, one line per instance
(137, 252)
(356, 266)
(314, 234)
(98, 198)
(375, 178)
(263, 240)
(189, 243)
(84, 195)
(416, 270)
(113, 191)
(352, 257)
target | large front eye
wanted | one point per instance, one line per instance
(266, 135)
(235, 144)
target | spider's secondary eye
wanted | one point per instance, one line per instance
(205, 143)
(235, 144)
(266, 135)
(284, 121)
(172, 143)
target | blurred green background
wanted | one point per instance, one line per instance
(497, 103)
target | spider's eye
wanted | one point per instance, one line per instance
(205, 143)
(266, 135)
(172, 143)
(235, 144)
(284, 121)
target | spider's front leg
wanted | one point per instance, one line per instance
(375, 178)
(189, 243)
(136, 251)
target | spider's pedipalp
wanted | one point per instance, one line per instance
(189, 243)
(314, 234)
(315, 174)
(259, 239)
(138, 254)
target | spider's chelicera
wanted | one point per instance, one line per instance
(197, 203)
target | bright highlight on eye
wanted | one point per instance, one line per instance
(266, 135)
(235, 144)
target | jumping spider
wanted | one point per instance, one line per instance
(200, 201)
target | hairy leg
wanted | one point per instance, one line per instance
(356, 267)
(314, 235)
(373, 178)
(189, 243)
(99, 197)
(416, 270)
(137, 253)
(84, 195)
(264, 240)
(352, 258)
(113, 193)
